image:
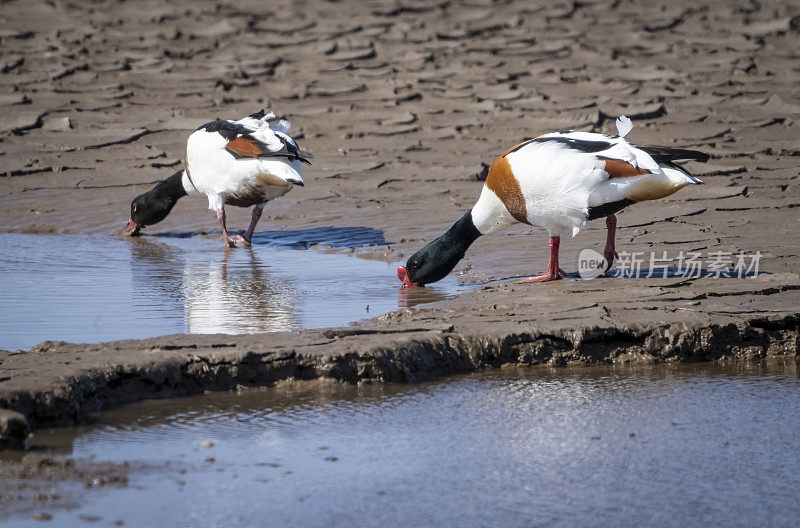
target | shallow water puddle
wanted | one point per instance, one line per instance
(101, 288)
(646, 446)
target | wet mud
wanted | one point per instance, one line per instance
(41, 484)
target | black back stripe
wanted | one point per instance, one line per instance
(226, 129)
(524, 142)
(577, 144)
(666, 154)
(582, 145)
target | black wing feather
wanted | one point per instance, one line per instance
(669, 154)
(583, 145)
(226, 129)
(291, 151)
(231, 131)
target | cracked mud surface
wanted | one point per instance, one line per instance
(401, 102)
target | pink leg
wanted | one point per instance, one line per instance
(221, 217)
(553, 271)
(247, 237)
(609, 253)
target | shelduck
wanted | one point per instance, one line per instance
(243, 163)
(557, 181)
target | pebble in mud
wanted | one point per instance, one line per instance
(14, 429)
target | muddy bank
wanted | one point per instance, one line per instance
(59, 383)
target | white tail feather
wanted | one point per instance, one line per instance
(281, 126)
(624, 125)
(681, 176)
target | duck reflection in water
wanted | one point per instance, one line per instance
(231, 293)
(410, 297)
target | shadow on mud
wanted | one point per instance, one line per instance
(656, 273)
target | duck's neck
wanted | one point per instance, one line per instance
(173, 188)
(462, 234)
(444, 253)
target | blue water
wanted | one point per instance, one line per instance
(101, 288)
(671, 446)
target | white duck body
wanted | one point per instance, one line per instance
(239, 162)
(559, 181)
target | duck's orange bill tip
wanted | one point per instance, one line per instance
(132, 229)
(402, 274)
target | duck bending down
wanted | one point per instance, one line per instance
(557, 181)
(243, 163)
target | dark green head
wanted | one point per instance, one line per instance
(438, 258)
(154, 205)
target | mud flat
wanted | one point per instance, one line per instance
(401, 102)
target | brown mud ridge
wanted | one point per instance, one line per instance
(401, 101)
(59, 383)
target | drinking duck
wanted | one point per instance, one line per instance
(242, 163)
(557, 181)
